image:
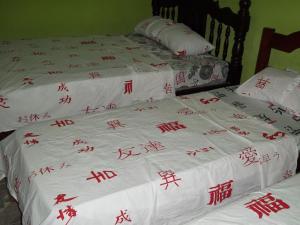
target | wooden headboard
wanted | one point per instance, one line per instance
(272, 40)
(194, 13)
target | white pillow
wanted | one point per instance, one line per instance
(156, 26)
(142, 26)
(183, 41)
(179, 38)
(274, 85)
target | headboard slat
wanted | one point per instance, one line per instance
(218, 41)
(211, 31)
(226, 43)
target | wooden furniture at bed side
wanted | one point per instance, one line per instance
(272, 40)
(194, 13)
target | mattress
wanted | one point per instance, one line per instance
(278, 204)
(190, 71)
(159, 163)
(43, 79)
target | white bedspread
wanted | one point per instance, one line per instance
(277, 205)
(158, 163)
(50, 78)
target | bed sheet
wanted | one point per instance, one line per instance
(49, 78)
(158, 163)
(277, 205)
(274, 114)
(190, 71)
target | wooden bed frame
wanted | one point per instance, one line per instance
(194, 13)
(272, 40)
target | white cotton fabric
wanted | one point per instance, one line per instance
(142, 26)
(49, 78)
(179, 38)
(274, 85)
(183, 41)
(205, 121)
(236, 213)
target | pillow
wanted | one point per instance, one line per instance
(156, 26)
(179, 38)
(183, 41)
(276, 86)
(141, 27)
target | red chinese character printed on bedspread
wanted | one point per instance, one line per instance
(94, 75)
(180, 78)
(113, 124)
(153, 146)
(168, 177)
(86, 148)
(168, 88)
(123, 217)
(220, 192)
(37, 53)
(15, 59)
(200, 150)
(271, 137)
(249, 156)
(62, 87)
(47, 169)
(89, 109)
(108, 57)
(128, 87)
(30, 138)
(69, 211)
(126, 152)
(170, 126)
(215, 132)
(54, 72)
(3, 102)
(266, 205)
(185, 111)
(65, 100)
(62, 123)
(209, 100)
(103, 175)
(28, 80)
(61, 198)
(47, 63)
(239, 116)
(239, 131)
(262, 83)
(33, 117)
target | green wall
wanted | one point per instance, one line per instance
(42, 18)
(284, 16)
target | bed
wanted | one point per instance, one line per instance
(170, 154)
(49, 78)
(278, 204)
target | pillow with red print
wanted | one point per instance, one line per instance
(276, 86)
(179, 38)
(182, 40)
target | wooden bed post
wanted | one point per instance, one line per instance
(235, 66)
(264, 49)
(155, 7)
